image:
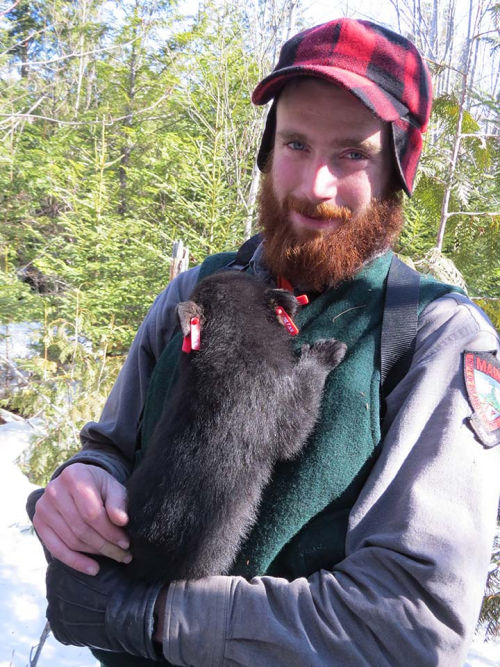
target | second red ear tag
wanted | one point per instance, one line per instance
(286, 321)
(186, 344)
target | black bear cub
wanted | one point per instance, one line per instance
(242, 402)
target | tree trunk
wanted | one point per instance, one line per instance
(128, 121)
(287, 18)
(458, 133)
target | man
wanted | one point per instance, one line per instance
(374, 547)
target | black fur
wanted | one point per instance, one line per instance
(243, 402)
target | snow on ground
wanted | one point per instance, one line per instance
(16, 338)
(22, 571)
(22, 568)
(483, 654)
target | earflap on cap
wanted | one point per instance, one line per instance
(267, 141)
(407, 147)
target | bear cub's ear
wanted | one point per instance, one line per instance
(186, 310)
(283, 298)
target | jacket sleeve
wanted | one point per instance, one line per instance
(111, 442)
(417, 550)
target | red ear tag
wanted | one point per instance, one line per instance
(286, 321)
(195, 333)
(302, 299)
(186, 343)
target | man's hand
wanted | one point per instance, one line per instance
(108, 611)
(83, 510)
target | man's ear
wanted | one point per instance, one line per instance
(283, 298)
(186, 310)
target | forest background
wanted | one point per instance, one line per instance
(126, 126)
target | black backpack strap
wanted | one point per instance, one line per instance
(399, 324)
(245, 253)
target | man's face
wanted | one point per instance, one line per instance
(324, 202)
(328, 149)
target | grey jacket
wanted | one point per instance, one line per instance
(419, 539)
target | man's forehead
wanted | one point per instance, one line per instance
(350, 121)
(299, 85)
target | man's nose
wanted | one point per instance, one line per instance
(320, 184)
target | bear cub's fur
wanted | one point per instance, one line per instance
(241, 403)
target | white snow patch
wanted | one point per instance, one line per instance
(22, 568)
(16, 339)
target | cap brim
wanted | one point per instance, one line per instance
(380, 102)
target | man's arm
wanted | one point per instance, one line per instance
(83, 509)
(417, 550)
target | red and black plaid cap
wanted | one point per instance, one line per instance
(381, 68)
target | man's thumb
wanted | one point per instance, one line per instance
(115, 502)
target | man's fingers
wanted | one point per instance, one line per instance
(83, 537)
(115, 552)
(59, 550)
(90, 497)
(74, 533)
(106, 489)
(72, 507)
(94, 528)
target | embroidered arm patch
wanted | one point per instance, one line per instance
(482, 380)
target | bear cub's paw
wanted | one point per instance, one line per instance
(329, 352)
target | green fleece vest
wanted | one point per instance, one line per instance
(303, 515)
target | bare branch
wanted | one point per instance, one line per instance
(448, 215)
(480, 135)
(74, 54)
(33, 107)
(38, 649)
(24, 40)
(484, 298)
(107, 123)
(9, 9)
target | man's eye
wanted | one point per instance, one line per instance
(355, 155)
(296, 145)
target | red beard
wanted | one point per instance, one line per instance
(321, 259)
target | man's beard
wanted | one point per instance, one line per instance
(320, 259)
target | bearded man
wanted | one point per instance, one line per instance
(372, 548)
